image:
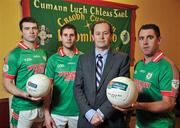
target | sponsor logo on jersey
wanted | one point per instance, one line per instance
(141, 84)
(68, 75)
(38, 68)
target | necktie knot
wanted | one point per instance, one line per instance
(99, 56)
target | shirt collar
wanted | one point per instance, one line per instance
(61, 51)
(25, 47)
(103, 53)
(159, 55)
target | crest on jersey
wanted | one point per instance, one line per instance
(175, 83)
(44, 35)
(149, 75)
(5, 68)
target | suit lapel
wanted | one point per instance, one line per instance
(92, 70)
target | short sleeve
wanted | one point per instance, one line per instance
(169, 81)
(50, 69)
(10, 66)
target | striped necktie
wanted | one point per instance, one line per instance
(99, 68)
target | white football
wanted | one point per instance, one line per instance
(122, 91)
(38, 85)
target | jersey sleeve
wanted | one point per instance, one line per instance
(50, 69)
(169, 81)
(10, 66)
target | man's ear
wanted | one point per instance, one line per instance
(159, 40)
(60, 39)
(92, 37)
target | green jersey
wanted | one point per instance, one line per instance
(61, 69)
(20, 64)
(154, 80)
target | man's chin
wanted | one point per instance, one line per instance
(148, 54)
(32, 41)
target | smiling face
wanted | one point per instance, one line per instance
(29, 32)
(102, 36)
(148, 42)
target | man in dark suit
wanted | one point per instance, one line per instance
(90, 85)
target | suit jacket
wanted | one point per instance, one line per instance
(88, 97)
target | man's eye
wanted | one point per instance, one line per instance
(106, 33)
(97, 33)
(141, 38)
(26, 28)
(150, 37)
(72, 35)
(35, 28)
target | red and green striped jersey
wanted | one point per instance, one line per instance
(154, 80)
(61, 69)
(19, 65)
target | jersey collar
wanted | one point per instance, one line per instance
(159, 55)
(25, 47)
(61, 51)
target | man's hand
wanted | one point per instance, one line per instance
(49, 122)
(28, 96)
(96, 119)
(131, 107)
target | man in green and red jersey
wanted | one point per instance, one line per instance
(61, 69)
(21, 63)
(157, 80)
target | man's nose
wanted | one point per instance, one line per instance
(145, 41)
(69, 37)
(31, 31)
(102, 36)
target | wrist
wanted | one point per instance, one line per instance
(46, 113)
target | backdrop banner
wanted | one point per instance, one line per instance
(53, 14)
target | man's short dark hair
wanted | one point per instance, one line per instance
(68, 26)
(27, 19)
(100, 22)
(151, 26)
